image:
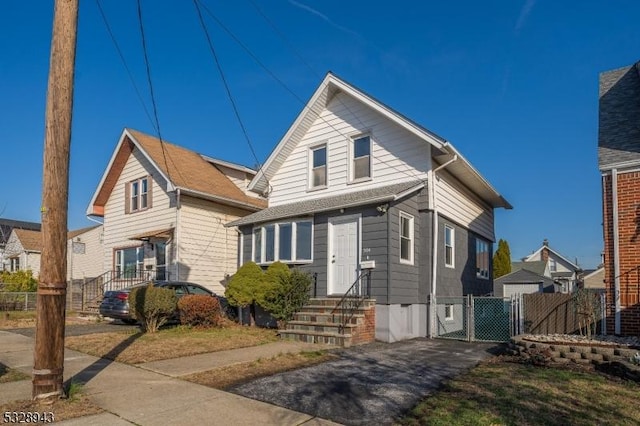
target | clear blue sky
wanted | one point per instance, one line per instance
(513, 84)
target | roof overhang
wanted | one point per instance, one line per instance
(219, 199)
(158, 233)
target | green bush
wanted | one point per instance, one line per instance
(288, 294)
(152, 306)
(247, 287)
(19, 281)
(200, 310)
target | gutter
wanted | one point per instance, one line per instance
(434, 238)
(616, 250)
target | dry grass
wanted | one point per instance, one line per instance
(225, 377)
(510, 393)
(136, 347)
(9, 375)
(62, 409)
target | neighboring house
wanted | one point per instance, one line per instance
(523, 281)
(23, 250)
(84, 253)
(561, 269)
(6, 226)
(354, 185)
(163, 208)
(619, 164)
(594, 279)
(539, 267)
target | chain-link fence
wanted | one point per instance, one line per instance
(18, 301)
(471, 318)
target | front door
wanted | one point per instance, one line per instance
(161, 260)
(343, 253)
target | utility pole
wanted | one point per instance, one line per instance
(52, 288)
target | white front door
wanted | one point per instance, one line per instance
(343, 253)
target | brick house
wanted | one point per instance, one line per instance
(619, 164)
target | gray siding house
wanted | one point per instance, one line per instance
(353, 186)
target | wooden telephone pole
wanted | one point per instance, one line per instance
(49, 348)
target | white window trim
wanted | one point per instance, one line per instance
(351, 167)
(294, 243)
(313, 148)
(411, 237)
(450, 316)
(453, 247)
(486, 246)
(139, 196)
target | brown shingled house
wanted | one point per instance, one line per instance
(164, 207)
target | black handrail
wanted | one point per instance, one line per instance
(352, 300)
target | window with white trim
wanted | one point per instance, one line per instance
(553, 266)
(318, 167)
(361, 158)
(288, 242)
(406, 238)
(482, 258)
(139, 195)
(449, 247)
(448, 312)
(129, 262)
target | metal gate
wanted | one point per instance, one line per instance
(473, 318)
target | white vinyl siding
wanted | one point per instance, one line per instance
(396, 155)
(208, 251)
(21, 259)
(457, 203)
(119, 227)
(87, 263)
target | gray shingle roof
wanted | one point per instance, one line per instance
(619, 117)
(368, 196)
(537, 266)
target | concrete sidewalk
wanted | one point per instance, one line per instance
(150, 393)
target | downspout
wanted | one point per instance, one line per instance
(176, 236)
(434, 239)
(616, 249)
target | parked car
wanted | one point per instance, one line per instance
(115, 303)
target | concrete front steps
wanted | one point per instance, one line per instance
(316, 324)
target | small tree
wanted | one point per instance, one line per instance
(246, 288)
(152, 306)
(502, 259)
(289, 294)
(587, 307)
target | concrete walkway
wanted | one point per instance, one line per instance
(150, 394)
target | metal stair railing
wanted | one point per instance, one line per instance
(352, 299)
(93, 290)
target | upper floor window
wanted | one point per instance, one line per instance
(553, 266)
(449, 251)
(406, 238)
(361, 158)
(15, 264)
(139, 195)
(482, 258)
(286, 242)
(318, 163)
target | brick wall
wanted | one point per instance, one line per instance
(366, 330)
(628, 195)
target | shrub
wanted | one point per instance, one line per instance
(247, 287)
(18, 281)
(152, 306)
(200, 310)
(288, 294)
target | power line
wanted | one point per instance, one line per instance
(224, 81)
(124, 62)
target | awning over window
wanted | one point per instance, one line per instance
(161, 233)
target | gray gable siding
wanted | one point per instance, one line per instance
(619, 116)
(462, 279)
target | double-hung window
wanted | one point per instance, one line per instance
(449, 248)
(482, 258)
(406, 238)
(318, 163)
(361, 158)
(288, 242)
(139, 194)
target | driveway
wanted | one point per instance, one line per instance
(80, 329)
(371, 384)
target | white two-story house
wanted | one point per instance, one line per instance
(355, 185)
(163, 209)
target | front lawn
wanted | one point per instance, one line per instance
(136, 347)
(510, 393)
